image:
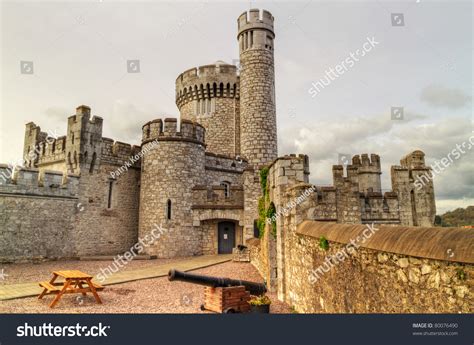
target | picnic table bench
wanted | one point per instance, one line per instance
(74, 282)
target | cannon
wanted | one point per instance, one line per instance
(222, 295)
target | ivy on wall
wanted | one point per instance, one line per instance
(266, 208)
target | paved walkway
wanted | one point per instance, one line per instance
(32, 289)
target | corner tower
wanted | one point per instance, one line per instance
(257, 84)
(173, 163)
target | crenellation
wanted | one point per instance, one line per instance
(168, 129)
(206, 82)
(36, 182)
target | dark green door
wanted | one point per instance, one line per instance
(226, 241)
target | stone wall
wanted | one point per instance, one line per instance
(104, 230)
(30, 225)
(102, 219)
(220, 168)
(396, 272)
(380, 276)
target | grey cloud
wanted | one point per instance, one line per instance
(440, 96)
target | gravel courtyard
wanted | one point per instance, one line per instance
(156, 295)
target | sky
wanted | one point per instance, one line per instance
(420, 59)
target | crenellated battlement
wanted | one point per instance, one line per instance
(168, 130)
(116, 152)
(205, 82)
(363, 160)
(83, 114)
(255, 19)
(32, 182)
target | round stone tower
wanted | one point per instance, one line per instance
(257, 84)
(172, 164)
(210, 95)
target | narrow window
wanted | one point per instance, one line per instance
(226, 186)
(75, 159)
(91, 169)
(72, 137)
(413, 208)
(168, 209)
(109, 197)
(256, 231)
(251, 39)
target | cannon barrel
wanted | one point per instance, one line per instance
(253, 288)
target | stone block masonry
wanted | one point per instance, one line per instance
(257, 85)
(170, 170)
(384, 275)
(30, 228)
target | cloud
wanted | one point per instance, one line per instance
(57, 114)
(440, 96)
(391, 140)
(125, 121)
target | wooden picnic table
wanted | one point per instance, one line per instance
(74, 282)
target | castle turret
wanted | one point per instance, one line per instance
(84, 138)
(369, 171)
(210, 95)
(172, 164)
(31, 146)
(258, 132)
(413, 182)
(257, 85)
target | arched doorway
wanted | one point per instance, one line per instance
(226, 237)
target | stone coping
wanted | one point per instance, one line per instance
(446, 244)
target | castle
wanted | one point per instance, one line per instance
(199, 179)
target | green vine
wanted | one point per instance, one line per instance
(263, 180)
(265, 212)
(271, 212)
(261, 216)
(323, 243)
(461, 274)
